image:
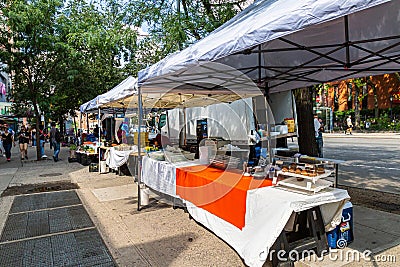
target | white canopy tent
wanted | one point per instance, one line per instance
(282, 45)
(117, 97)
(287, 44)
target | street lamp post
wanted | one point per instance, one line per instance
(391, 110)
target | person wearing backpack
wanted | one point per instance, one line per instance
(55, 139)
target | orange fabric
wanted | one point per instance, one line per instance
(223, 193)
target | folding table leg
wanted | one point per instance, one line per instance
(281, 244)
(316, 224)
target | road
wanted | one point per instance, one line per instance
(371, 160)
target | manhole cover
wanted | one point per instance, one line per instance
(50, 174)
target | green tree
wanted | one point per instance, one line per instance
(31, 49)
(100, 40)
(358, 83)
(61, 56)
(175, 24)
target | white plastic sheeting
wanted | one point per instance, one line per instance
(290, 44)
(116, 158)
(161, 175)
(229, 121)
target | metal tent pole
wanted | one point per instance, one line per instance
(139, 165)
(98, 143)
(184, 126)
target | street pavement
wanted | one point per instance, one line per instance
(162, 236)
(372, 161)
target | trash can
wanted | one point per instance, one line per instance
(342, 235)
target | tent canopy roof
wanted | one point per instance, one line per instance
(288, 44)
(201, 92)
(115, 98)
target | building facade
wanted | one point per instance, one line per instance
(5, 87)
(380, 92)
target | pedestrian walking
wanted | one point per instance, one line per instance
(317, 125)
(318, 135)
(42, 142)
(23, 139)
(2, 152)
(8, 141)
(33, 136)
(55, 139)
(349, 125)
(319, 139)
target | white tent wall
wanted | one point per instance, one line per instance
(172, 127)
(229, 121)
(282, 106)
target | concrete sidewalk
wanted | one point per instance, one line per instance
(162, 236)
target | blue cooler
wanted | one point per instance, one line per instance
(342, 235)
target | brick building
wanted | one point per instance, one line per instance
(387, 92)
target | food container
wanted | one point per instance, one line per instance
(259, 169)
(225, 162)
(282, 129)
(290, 124)
(259, 175)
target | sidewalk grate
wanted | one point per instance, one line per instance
(84, 248)
(37, 223)
(44, 201)
(42, 231)
(50, 174)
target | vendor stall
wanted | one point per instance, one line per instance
(114, 99)
(271, 47)
(248, 213)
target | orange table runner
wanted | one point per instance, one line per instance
(221, 192)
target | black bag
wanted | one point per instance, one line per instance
(58, 136)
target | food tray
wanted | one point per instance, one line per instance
(302, 185)
(313, 179)
(224, 162)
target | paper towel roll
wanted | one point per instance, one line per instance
(203, 154)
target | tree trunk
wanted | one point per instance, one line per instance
(75, 130)
(305, 122)
(370, 83)
(357, 107)
(37, 116)
(376, 107)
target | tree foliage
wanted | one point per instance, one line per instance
(61, 54)
(172, 27)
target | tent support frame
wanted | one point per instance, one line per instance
(139, 165)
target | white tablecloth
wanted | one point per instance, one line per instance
(268, 209)
(161, 175)
(116, 158)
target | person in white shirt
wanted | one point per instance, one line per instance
(349, 125)
(317, 125)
